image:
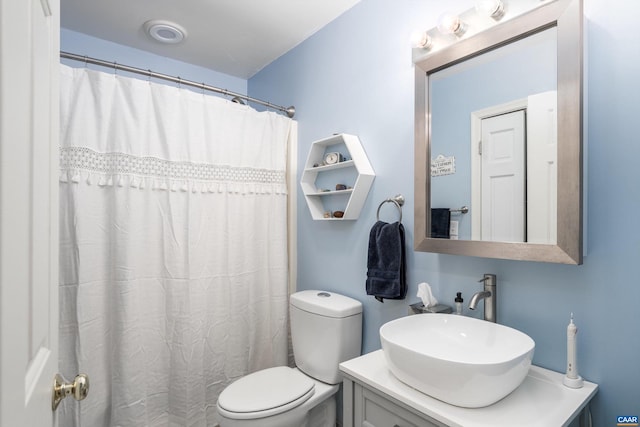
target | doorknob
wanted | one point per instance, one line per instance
(79, 388)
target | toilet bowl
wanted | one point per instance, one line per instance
(326, 329)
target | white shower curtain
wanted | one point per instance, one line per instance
(173, 248)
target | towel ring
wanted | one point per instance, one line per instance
(398, 200)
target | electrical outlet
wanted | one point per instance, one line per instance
(453, 230)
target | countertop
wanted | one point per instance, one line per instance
(540, 401)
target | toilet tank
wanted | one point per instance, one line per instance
(326, 329)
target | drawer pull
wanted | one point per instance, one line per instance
(368, 424)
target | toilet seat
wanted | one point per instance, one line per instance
(265, 393)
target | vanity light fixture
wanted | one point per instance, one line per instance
(451, 27)
(491, 8)
(421, 39)
(451, 24)
(165, 31)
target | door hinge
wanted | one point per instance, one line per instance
(480, 148)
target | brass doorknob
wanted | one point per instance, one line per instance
(79, 388)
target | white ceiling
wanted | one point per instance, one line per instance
(235, 37)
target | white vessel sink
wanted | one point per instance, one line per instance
(460, 360)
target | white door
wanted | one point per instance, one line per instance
(29, 57)
(503, 178)
(542, 168)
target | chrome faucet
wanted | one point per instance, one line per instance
(489, 297)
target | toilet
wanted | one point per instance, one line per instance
(326, 329)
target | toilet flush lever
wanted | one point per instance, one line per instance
(79, 388)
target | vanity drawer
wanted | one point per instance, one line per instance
(372, 410)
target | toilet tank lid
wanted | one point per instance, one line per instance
(326, 303)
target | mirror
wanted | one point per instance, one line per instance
(517, 88)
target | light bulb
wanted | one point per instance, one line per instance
(421, 39)
(491, 8)
(450, 24)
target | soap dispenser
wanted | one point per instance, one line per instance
(459, 302)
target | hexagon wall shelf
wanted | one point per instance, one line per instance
(350, 200)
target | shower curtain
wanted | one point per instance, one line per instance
(173, 248)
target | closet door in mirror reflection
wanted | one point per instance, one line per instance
(503, 178)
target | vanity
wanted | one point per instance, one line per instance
(374, 397)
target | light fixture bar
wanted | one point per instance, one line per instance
(485, 14)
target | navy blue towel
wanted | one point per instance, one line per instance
(386, 262)
(440, 223)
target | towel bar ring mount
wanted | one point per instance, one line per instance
(398, 200)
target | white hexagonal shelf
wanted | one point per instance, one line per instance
(319, 180)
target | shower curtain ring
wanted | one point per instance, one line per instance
(115, 68)
(86, 61)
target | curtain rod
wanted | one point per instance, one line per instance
(289, 111)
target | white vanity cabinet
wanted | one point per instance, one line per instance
(370, 409)
(373, 397)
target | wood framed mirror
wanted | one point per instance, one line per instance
(560, 23)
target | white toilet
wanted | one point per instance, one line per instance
(326, 329)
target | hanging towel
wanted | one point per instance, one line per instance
(440, 223)
(386, 261)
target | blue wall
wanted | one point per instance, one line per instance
(82, 44)
(356, 76)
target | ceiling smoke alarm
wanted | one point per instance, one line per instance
(165, 31)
